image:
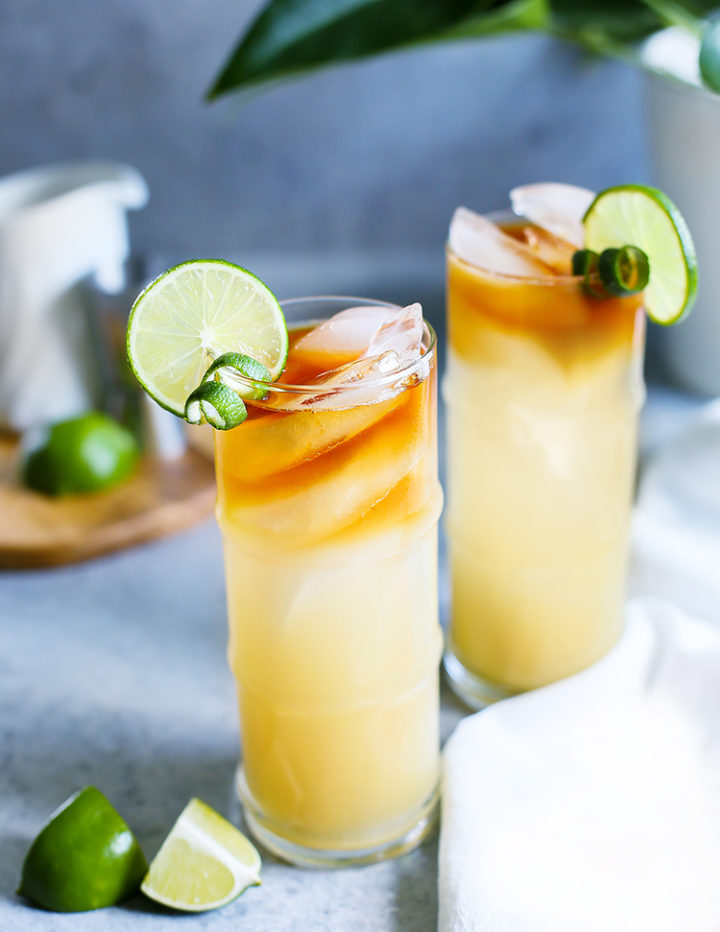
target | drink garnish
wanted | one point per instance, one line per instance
(218, 404)
(624, 271)
(613, 272)
(222, 406)
(585, 263)
(203, 312)
(662, 249)
(229, 364)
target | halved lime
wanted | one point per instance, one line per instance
(645, 217)
(84, 858)
(194, 313)
(204, 863)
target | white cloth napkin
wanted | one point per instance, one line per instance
(593, 805)
(676, 528)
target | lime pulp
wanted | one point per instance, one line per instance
(204, 862)
(194, 313)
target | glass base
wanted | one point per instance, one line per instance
(413, 832)
(471, 689)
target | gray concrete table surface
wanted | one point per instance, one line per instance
(113, 673)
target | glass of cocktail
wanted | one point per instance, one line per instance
(328, 501)
(543, 390)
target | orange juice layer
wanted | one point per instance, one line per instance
(329, 523)
(543, 390)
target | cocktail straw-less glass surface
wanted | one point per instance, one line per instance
(328, 501)
(543, 390)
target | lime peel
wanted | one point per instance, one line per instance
(221, 407)
(85, 857)
(230, 364)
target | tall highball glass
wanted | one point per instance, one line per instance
(328, 502)
(543, 391)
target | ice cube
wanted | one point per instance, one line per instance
(479, 241)
(558, 208)
(347, 386)
(395, 344)
(402, 334)
(549, 248)
(346, 333)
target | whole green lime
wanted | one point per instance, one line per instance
(86, 857)
(85, 454)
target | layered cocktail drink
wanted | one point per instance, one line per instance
(543, 390)
(328, 501)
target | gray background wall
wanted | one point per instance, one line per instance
(358, 168)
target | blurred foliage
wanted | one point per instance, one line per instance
(291, 37)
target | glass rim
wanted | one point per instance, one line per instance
(383, 380)
(548, 281)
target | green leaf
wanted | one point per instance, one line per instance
(710, 55)
(620, 19)
(531, 15)
(290, 37)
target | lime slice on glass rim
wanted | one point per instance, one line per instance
(648, 219)
(204, 863)
(189, 317)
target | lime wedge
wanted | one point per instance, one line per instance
(646, 218)
(84, 858)
(194, 313)
(204, 863)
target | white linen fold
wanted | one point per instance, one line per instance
(676, 527)
(593, 805)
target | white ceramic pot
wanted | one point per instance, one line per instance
(684, 131)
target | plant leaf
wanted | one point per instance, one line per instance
(290, 37)
(531, 15)
(710, 55)
(619, 20)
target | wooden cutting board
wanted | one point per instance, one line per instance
(160, 498)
